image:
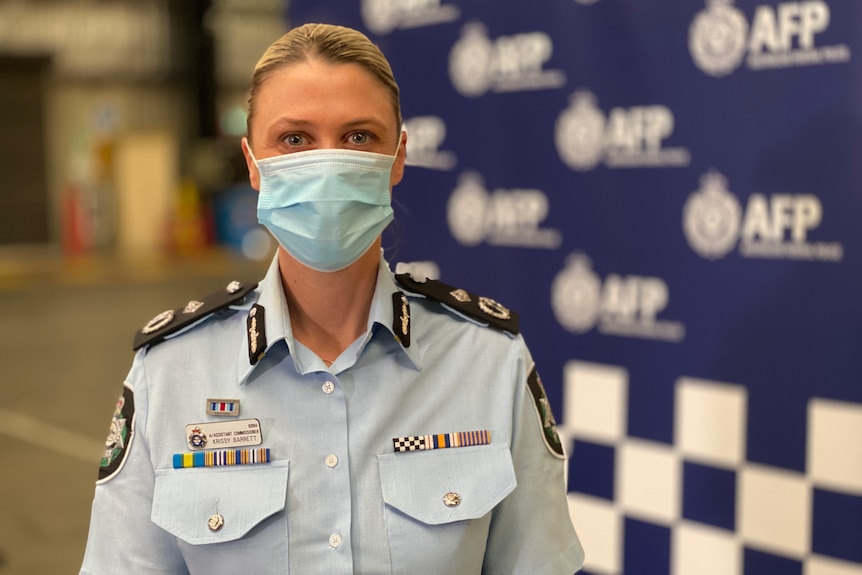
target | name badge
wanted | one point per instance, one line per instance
(224, 434)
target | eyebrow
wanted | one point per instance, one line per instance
(284, 120)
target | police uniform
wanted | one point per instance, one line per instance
(427, 447)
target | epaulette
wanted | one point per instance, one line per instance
(480, 308)
(173, 320)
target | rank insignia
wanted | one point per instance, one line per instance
(546, 416)
(170, 322)
(158, 322)
(494, 309)
(401, 318)
(256, 333)
(483, 310)
(441, 440)
(460, 295)
(193, 306)
(223, 407)
(221, 458)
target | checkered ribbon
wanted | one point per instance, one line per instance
(220, 458)
(442, 440)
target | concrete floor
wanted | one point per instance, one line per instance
(65, 346)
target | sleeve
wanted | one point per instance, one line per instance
(122, 538)
(531, 531)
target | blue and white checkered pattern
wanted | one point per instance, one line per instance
(704, 507)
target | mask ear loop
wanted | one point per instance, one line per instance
(250, 153)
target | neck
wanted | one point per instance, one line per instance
(328, 311)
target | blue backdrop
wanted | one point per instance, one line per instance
(669, 194)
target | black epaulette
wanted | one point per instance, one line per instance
(173, 320)
(481, 308)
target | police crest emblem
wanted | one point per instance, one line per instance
(119, 437)
(546, 416)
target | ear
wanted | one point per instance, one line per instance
(400, 158)
(253, 173)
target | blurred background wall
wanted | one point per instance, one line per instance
(121, 120)
(122, 193)
(668, 193)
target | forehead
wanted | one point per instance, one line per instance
(316, 91)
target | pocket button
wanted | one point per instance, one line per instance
(215, 522)
(451, 499)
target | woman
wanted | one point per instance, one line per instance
(335, 418)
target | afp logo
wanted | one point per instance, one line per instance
(626, 138)
(513, 63)
(783, 36)
(620, 305)
(770, 227)
(504, 217)
(426, 135)
(384, 16)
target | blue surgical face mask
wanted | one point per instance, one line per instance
(325, 207)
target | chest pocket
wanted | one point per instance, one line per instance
(442, 499)
(250, 500)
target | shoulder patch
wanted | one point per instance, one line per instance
(481, 308)
(173, 320)
(119, 436)
(545, 415)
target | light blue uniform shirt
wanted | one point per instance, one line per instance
(336, 498)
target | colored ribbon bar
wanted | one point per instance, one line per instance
(223, 407)
(220, 458)
(442, 440)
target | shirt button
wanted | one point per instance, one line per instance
(215, 522)
(331, 461)
(334, 540)
(451, 499)
(328, 387)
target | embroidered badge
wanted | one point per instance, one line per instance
(441, 441)
(221, 458)
(223, 407)
(119, 436)
(546, 416)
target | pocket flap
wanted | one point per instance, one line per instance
(184, 500)
(477, 477)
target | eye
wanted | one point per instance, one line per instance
(360, 138)
(294, 139)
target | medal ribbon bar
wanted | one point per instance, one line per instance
(441, 440)
(220, 458)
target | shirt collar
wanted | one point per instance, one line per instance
(276, 322)
(277, 326)
(396, 318)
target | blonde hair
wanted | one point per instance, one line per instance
(329, 43)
